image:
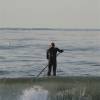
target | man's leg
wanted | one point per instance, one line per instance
(54, 69)
(49, 69)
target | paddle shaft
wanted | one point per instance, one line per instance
(44, 68)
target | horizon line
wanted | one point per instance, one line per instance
(62, 29)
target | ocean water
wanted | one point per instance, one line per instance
(23, 52)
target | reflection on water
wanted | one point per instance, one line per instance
(35, 93)
(71, 94)
(69, 88)
(38, 93)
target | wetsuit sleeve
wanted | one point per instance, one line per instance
(60, 50)
(47, 54)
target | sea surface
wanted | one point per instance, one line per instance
(23, 56)
(23, 52)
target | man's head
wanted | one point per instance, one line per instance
(52, 44)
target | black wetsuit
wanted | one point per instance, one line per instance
(51, 56)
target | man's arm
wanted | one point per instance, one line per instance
(60, 50)
(47, 54)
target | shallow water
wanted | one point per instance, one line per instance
(23, 52)
(54, 88)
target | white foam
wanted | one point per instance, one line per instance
(34, 93)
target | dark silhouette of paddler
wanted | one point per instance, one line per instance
(52, 58)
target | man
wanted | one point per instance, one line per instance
(51, 56)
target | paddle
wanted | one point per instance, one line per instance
(44, 68)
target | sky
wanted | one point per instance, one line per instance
(50, 13)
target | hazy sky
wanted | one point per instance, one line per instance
(50, 13)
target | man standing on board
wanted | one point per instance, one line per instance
(51, 56)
